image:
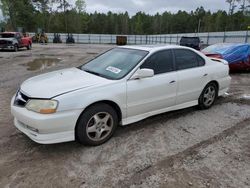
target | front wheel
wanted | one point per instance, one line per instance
(208, 96)
(96, 125)
(29, 47)
(15, 48)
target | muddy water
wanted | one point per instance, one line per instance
(41, 63)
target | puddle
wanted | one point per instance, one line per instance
(41, 64)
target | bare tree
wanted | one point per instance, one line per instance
(64, 5)
(44, 6)
(232, 6)
(7, 7)
(80, 7)
(244, 6)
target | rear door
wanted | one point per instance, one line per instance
(192, 75)
(153, 93)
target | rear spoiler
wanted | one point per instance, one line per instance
(219, 60)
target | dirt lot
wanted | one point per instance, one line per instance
(186, 148)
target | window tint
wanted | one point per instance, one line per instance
(186, 59)
(160, 62)
(200, 60)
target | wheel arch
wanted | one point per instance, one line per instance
(216, 83)
(114, 105)
(200, 100)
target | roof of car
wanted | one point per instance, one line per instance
(153, 47)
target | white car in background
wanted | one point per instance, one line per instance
(122, 86)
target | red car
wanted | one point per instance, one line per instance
(14, 41)
(236, 54)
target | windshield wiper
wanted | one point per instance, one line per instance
(92, 72)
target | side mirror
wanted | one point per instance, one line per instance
(143, 73)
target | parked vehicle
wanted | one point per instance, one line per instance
(41, 38)
(70, 39)
(122, 86)
(237, 55)
(192, 42)
(57, 38)
(14, 41)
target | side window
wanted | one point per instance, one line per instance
(186, 59)
(18, 36)
(201, 61)
(160, 62)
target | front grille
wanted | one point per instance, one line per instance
(3, 42)
(21, 99)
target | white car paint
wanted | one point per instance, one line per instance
(137, 99)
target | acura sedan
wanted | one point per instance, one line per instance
(122, 86)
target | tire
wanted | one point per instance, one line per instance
(15, 48)
(29, 47)
(96, 125)
(208, 96)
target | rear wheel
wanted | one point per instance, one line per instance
(29, 47)
(208, 96)
(96, 125)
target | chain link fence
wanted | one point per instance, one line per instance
(206, 38)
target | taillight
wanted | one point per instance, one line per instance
(218, 56)
(215, 55)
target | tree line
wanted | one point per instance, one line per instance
(59, 16)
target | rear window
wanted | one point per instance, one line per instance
(190, 40)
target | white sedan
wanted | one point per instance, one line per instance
(122, 86)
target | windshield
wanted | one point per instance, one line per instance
(7, 35)
(115, 63)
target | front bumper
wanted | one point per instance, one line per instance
(6, 47)
(46, 128)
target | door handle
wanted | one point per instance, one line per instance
(173, 81)
(205, 74)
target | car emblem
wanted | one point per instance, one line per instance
(19, 97)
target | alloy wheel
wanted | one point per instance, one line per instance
(209, 95)
(99, 126)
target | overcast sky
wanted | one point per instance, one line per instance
(151, 6)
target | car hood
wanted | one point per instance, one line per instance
(60, 82)
(7, 39)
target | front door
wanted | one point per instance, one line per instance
(154, 93)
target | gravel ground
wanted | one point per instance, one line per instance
(185, 148)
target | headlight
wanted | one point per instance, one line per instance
(42, 106)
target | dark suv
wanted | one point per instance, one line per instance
(192, 42)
